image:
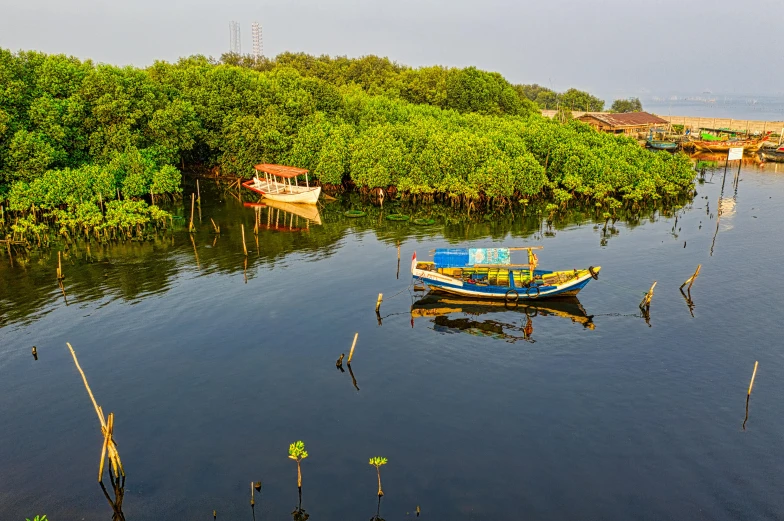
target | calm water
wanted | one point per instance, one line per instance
(213, 369)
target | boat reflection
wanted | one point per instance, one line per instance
(287, 217)
(453, 315)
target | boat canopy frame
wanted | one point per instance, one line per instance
(286, 173)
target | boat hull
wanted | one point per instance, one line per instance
(283, 193)
(567, 286)
(724, 146)
(773, 156)
(662, 145)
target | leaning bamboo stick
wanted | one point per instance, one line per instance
(244, 247)
(106, 429)
(378, 302)
(87, 386)
(753, 375)
(691, 279)
(353, 345)
(215, 226)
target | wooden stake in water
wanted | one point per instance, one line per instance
(60, 266)
(198, 192)
(192, 228)
(378, 302)
(353, 345)
(215, 226)
(753, 375)
(244, 247)
(691, 279)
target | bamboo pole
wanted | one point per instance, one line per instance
(215, 226)
(691, 279)
(35, 353)
(244, 247)
(191, 228)
(378, 302)
(353, 345)
(106, 429)
(198, 192)
(60, 266)
(753, 375)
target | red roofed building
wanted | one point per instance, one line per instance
(623, 123)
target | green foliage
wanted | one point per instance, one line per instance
(39, 518)
(73, 134)
(626, 105)
(378, 461)
(297, 451)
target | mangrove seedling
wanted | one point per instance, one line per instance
(377, 462)
(298, 453)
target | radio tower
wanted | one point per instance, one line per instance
(235, 45)
(255, 30)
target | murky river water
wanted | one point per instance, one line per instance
(212, 369)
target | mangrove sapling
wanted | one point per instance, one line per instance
(377, 462)
(298, 453)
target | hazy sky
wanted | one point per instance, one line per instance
(612, 48)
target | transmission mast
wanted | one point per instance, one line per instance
(235, 41)
(255, 29)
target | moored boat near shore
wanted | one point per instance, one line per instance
(279, 184)
(488, 273)
(774, 155)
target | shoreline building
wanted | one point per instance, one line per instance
(623, 123)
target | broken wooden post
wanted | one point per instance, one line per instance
(378, 302)
(353, 345)
(646, 300)
(35, 353)
(244, 247)
(691, 279)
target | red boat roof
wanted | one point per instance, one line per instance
(281, 170)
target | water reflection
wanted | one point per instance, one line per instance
(131, 269)
(445, 313)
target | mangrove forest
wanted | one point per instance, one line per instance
(93, 147)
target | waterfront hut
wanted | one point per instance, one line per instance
(623, 123)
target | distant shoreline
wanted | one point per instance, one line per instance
(696, 122)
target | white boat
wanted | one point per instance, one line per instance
(279, 184)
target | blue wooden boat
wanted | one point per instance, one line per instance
(488, 273)
(660, 144)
